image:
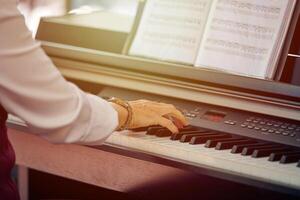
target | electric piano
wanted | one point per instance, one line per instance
(242, 130)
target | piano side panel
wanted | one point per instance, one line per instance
(86, 164)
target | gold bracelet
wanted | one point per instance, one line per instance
(127, 106)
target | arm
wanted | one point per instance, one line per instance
(34, 90)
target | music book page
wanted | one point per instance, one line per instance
(245, 36)
(237, 36)
(171, 30)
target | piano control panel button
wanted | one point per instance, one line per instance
(230, 122)
(194, 112)
(198, 109)
(278, 132)
(244, 125)
(292, 134)
(191, 115)
(285, 133)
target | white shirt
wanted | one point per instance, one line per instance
(35, 91)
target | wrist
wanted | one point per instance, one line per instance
(124, 110)
(122, 114)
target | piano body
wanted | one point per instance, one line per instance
(244, 133)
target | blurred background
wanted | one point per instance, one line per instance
(33, 10)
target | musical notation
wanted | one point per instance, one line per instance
(171, 30)
(250, 7)
(242, 36)
(243, 29)
(237, 49)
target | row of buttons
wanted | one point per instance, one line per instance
(272, 123)
(191, 114)
(267, 130)
(230, 122)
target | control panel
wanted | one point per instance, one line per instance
(227, 120)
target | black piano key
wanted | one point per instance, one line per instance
(298, 164)
(203, 138)
(142, 128)
(177, 136)
(213, 142)
(239, 148)
(190, 128)
(230, 144)
(290, 158)
(277, 156)
(163, 133)
(153, 129)
(188, 137)
(249, 150)
(259, 153)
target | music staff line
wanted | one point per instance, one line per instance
(251, 7)
(246, 13)
(190, 7)
(234, 52)
(237, 46)
(242, 34)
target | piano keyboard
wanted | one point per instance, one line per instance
(252, 158)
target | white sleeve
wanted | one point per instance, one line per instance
(34, 90)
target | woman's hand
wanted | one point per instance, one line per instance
(147, 113)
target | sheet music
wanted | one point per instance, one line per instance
(241, 36)
(171, 30)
